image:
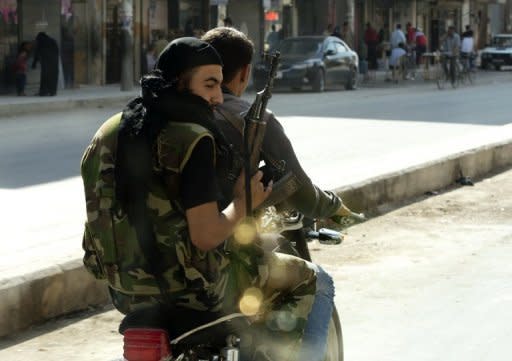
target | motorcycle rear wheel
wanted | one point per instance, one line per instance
(334, 350)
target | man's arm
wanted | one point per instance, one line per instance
(208, 226)
(309, 199)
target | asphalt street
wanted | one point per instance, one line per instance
(369, 131)
(41, 192)
(427, 281)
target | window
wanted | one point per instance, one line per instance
(341, 48)
(331, 48)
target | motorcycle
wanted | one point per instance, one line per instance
(202, 336)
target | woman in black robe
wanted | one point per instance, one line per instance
(47, 52)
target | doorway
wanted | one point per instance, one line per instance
(113, 36)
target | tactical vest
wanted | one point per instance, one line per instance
(112, 251)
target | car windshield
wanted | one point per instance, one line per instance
(307, 47)
(502, 41)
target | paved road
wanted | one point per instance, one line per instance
(42, 196)
(427, 281)
(41, 148)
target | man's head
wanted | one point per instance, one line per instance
(451, 30)
(236, 51)
(193, 65)
(399, 26)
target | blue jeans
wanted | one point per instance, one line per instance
(314, 341)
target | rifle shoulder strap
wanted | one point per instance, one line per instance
(235, 121)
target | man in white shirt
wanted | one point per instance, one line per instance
(397, 37)
(467, 46)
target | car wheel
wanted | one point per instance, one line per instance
(351, 83)
(319, 81)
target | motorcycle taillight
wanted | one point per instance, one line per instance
(146, 344)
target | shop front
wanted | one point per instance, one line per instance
(9, 28)
(63, 20)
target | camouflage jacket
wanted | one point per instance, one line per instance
(216, 280)
(194, 278)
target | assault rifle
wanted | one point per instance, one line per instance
(254, 130)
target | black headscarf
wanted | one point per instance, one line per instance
(183, 54)
(144, 117)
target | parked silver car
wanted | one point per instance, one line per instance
(498, 53)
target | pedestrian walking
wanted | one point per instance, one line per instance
(397, 37)
(467, 46)
(47, 53)
(410, 32)
(272, 38)
(420, 40)
(347, 35)
(371, 39)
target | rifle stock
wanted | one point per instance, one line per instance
(254, 120)
(254, 129)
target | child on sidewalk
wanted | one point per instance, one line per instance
(20, 68)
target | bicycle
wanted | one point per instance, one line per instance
(447, 71)
(466, 73)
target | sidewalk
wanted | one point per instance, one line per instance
(84, 96)
(43, 277)
(378, 80)
(98, 96)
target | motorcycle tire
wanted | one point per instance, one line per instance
(334, 349)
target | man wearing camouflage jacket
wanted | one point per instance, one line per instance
(140, 175)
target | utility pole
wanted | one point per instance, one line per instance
(126, 18)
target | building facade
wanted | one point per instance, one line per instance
(99, 38)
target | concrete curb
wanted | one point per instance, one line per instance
(48, 293)
(415, 181)
(67, 103)
(65, 288)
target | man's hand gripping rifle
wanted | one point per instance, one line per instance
(254, 130)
